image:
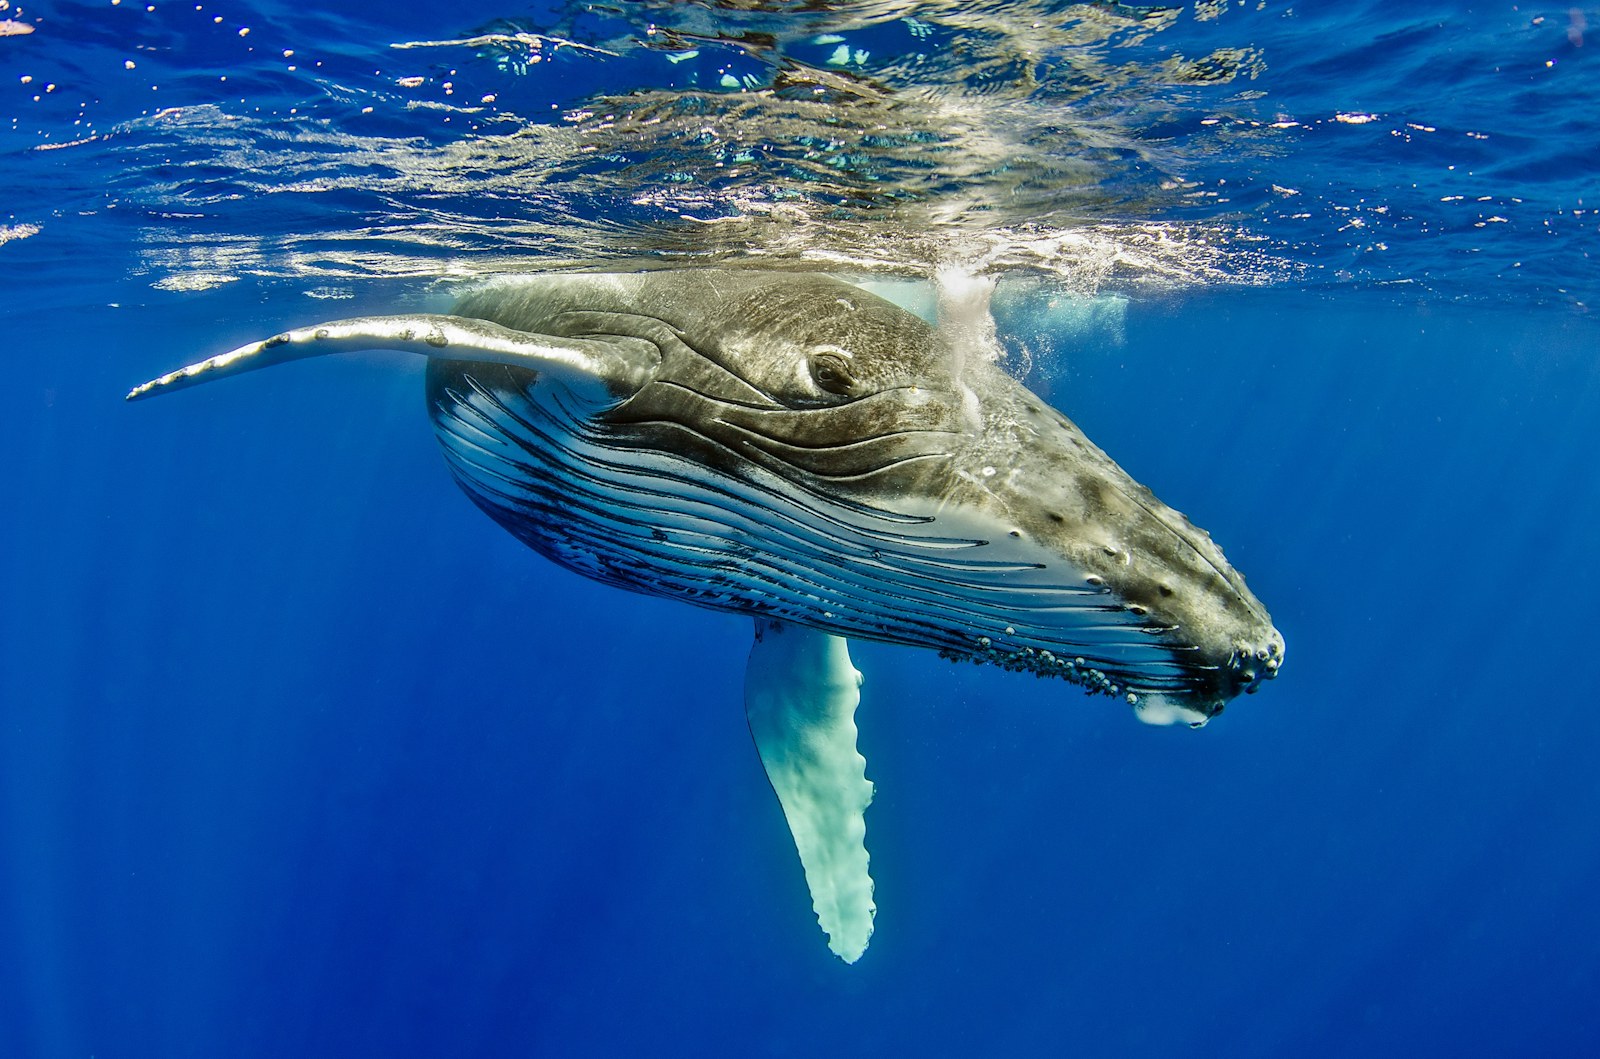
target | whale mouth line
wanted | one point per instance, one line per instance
(917, 592)
(794, 438)
(1129, 653)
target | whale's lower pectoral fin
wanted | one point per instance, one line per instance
(604, 368)
(800, 695)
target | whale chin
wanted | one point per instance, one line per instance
(1156, 709)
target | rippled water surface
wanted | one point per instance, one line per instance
(1419, 144)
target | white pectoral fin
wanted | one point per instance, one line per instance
(603, 367)
(801, 694)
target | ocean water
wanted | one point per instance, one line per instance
(301, 755)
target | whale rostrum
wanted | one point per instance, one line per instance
(797, 449)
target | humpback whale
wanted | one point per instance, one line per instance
(797, 449)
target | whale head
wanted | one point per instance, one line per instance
(795, 447)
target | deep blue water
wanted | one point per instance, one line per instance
(302, 755)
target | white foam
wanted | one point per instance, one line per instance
(964, 317)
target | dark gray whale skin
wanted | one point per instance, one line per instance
(796, 448)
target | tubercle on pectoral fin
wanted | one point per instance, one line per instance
(801, 693)
(606, 369)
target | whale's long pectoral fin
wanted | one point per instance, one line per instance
(801, 694)
(604, 368)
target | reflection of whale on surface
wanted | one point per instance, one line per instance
(797, 449)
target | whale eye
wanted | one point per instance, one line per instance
(832, 375)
